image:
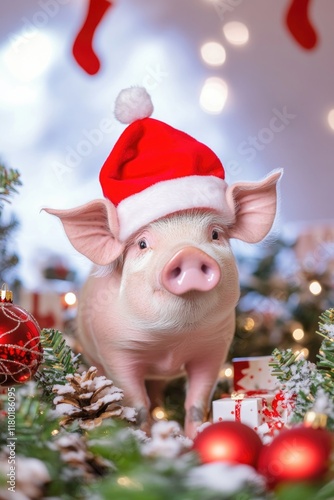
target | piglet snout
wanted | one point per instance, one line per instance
(190, 269)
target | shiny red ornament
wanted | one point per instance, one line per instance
(297, 454)
(20, 348)
(229, 441)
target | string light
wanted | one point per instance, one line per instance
(301, 352)
(159, 413)
(213, 53)
(127, 482)
(298, 333)
(315, 287)
(249, 324)
(213, 95)
(236, 33)
(226, 372)
(330, 119)
(70, 298)
(32, 57)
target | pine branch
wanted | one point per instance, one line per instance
(311, 385)
(326, 353)
(58, 361)
(9, 179)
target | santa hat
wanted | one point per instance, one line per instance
(155, 170)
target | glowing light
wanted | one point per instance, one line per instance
(315, 287)
(31, 58)
(236, 33)
(213, 53)
(301, 352)
(298, 334)
(55, 432)
(249, 324)
(330, 118)
(70, 298)
(159, 413)
(213, 95)
(127, 482)
(305, 352)
(226, 372)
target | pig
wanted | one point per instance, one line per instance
(161, 304)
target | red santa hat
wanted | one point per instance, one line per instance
(155, 170)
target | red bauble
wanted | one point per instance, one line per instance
(20, 348)
(228, 441)
(297, 454)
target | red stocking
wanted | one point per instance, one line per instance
(299, 24)
(83, 45)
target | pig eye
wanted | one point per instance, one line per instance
(215, 234)
(142, 244)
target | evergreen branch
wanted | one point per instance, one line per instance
(281, 366)
(9, 178)
(58, 361)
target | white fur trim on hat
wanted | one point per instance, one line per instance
(133, 104)
(167, 197)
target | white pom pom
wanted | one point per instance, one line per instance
(133, 104)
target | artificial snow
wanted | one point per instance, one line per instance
(224, 477)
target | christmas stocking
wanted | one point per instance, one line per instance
(299, 24)
(82, 50)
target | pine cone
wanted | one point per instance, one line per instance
(89, 400)
(73, 451)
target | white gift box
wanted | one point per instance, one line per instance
(245, 410)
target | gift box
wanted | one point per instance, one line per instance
(254, 408)
(240, 409)
(254, 374)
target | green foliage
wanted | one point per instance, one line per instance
(309, 385)
(58, 361)
(9, 179)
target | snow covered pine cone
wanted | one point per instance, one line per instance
(89, 399)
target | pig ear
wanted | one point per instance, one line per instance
(255, 207)
(93, 230)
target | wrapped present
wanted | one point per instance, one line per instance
(238, 408)
(253, 374)
(258, 409)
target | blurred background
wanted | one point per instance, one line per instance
(252, 79)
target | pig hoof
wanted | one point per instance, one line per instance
(144, 420)
(194, 419)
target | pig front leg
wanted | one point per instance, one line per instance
(202, 378)
(131, 379)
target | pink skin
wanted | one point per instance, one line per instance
(190, 269)
(164, 303)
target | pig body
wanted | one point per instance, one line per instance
(134, 329)
(163, 302)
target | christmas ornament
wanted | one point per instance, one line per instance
(228, 442)
(298, 454)
(20, 348)
(89, 400)
(299, 25)
(82, 48)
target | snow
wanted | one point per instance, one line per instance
(63, 389)
(129, 413)
(167, 441)
(224, 477)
